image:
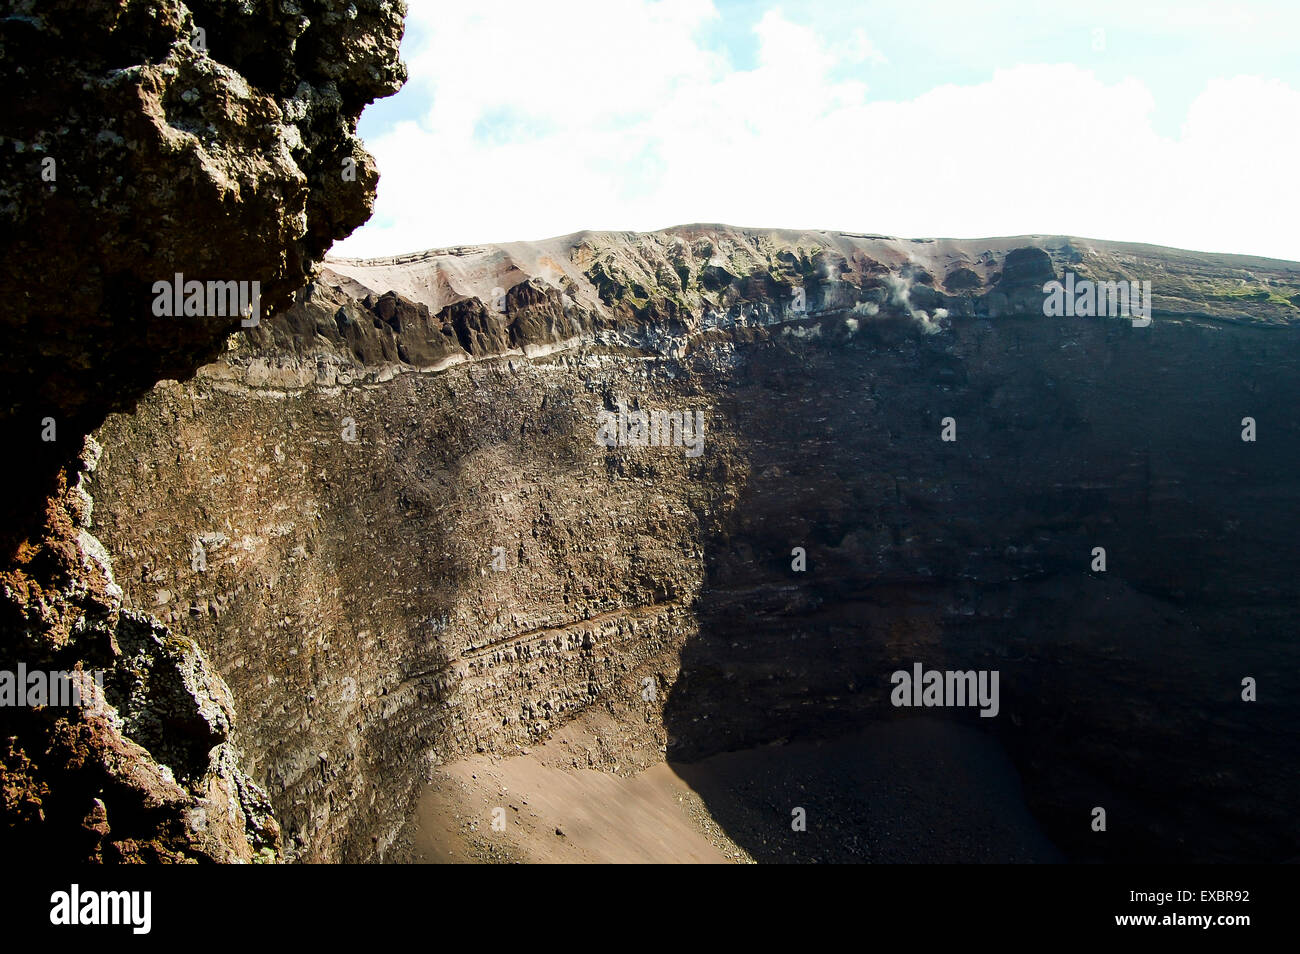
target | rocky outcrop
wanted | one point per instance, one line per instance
(145, 140)
(414, 548)
(147, 769)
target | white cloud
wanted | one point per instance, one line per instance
(616, 116)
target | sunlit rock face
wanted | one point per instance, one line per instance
(147, 142)
(390, 520)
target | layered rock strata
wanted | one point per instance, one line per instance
(385, 517)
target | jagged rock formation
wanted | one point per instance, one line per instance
(218, 155)
(412, 546)
(144, 139)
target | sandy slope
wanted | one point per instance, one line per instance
(563, 815)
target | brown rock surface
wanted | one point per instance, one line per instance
(136, 147)
(350, 467)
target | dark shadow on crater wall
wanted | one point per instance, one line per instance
(1119, 690)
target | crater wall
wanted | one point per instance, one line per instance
(387, 520)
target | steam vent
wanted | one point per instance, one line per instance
(712, 543)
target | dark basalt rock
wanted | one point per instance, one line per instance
(1026, 266)
(962, 279)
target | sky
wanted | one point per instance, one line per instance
(1171, 123)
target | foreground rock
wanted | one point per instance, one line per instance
(145, 139)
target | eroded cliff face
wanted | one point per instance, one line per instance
(385, 517)
(144, 140)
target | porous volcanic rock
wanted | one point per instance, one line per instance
(144, 139)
